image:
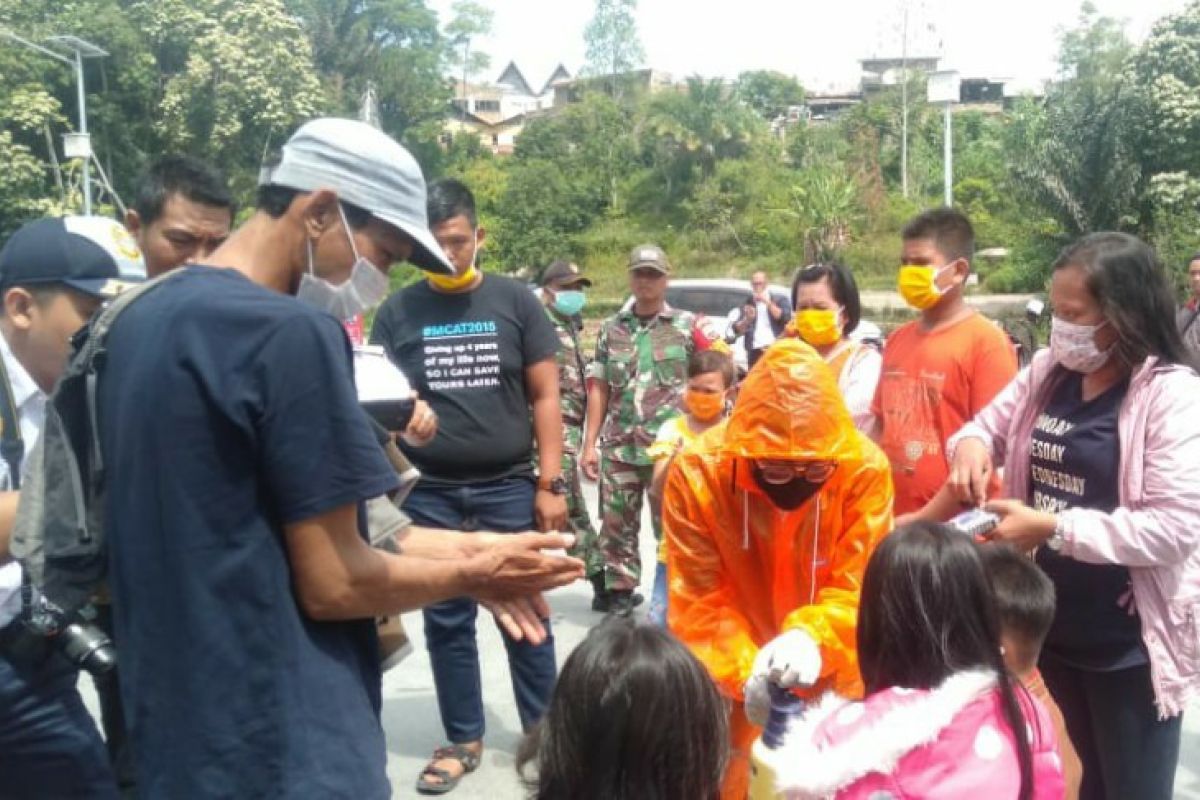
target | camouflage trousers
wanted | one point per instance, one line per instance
(622, 489)
(579, 522)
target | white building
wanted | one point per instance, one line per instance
(496, 112)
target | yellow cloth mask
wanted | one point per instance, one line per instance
(453, 283)
(456, 283)
(917, 284)
(820, 327)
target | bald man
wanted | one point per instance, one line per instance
(761, 319)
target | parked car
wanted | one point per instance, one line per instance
(718, 298)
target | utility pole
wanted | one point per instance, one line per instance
(948, 161)
(945, 88)
(466, 61)
(904, 103)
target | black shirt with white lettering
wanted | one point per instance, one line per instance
(1075, 463)
(466, 355)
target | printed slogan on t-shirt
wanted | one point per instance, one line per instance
(462, 355)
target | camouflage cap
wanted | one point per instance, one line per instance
(649, 256)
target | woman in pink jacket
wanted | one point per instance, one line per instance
(942, 719)
(1100, 440)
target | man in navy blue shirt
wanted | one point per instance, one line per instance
(243, 586)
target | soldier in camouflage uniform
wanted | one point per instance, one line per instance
(563, 297)
(640, 372)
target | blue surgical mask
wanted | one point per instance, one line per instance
(569, 303)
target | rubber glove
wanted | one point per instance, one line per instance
(789, 660)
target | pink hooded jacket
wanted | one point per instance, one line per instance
(1155, 530)
(946, 743)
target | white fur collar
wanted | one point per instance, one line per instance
(805, 771)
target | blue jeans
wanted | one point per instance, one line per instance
(504, 506)
(49, 745)
(656, 614)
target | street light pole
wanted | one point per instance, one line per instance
(944, 88)
(948, 160)
(83, 130)
(904, 106)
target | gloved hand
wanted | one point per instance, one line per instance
(757, 700)
(789, 660)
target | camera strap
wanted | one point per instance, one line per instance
(1191, 321)
(12, 446)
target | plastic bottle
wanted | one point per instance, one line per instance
(766, 753)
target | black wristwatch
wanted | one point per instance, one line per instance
(556, 485)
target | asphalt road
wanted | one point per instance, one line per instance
(410, 716)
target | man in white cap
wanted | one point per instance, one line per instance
(238, 459)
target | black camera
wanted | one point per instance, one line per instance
(87, 647)
(393, 415)
(74, 635)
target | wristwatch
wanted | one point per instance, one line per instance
(555, 485)
(1055, 542)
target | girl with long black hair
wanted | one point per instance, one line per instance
(634, 717)
(942, 717)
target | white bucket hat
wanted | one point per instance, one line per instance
(366, 168)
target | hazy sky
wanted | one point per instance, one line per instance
(818, 41)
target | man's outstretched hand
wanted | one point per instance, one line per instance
(514, 566)
(508, 573)
(521, 619)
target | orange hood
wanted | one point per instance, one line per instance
(790, 407)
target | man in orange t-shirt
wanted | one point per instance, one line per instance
(940, 369)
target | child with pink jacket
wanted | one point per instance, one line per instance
(942, 717)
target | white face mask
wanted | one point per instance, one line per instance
(366, 288)
(1074, 346)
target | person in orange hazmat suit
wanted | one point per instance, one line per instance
(769, 520)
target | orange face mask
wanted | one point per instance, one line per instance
(704, 406)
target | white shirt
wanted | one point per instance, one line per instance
(31, 414)
(860, 376)
(764, 335)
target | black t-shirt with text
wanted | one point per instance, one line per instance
(466, 356)
(1075, 463)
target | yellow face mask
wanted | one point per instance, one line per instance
(453, 283)
(820, 327)
(918, 285)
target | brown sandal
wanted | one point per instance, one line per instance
(446, 783)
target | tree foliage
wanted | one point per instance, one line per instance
(470, 21)
(706, 168)
(769, 94)
(220, 79)
(1073, 154)
(688, 132)
(396, 46)
(236, 77)
(612, 40)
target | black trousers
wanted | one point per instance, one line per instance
(1127, 752)
(49, 746)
